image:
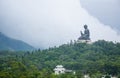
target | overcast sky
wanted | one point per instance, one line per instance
(107, 11)
(47, 23)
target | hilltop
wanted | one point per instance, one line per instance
(99, 58)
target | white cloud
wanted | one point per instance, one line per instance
(107, 11)
(45, 23)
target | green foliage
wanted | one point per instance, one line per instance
(99, 58)
(107, 76)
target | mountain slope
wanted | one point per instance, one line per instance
(7, 43)
(96, 59)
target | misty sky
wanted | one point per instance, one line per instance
(107, 11)
(47, 23)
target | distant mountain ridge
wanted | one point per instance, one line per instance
(7, 43)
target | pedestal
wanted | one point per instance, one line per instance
(84, 41)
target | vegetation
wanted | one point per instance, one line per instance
(97, 59)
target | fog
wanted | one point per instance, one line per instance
(48, 23)
(107, 11)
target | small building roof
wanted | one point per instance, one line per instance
(59, 66)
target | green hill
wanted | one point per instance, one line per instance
(97, 59)
(7, 43)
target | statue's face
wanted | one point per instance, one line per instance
(85, 26)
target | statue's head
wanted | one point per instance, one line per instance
(85, 26)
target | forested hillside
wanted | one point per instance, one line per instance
(97, 59)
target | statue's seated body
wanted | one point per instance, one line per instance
(85, 35)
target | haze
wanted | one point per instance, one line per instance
(107, 11)
(48, 23)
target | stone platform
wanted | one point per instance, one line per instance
(84, 41)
